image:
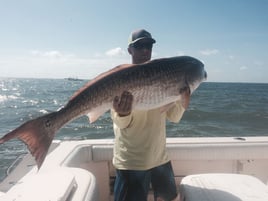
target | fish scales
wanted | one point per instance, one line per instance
(153, 84)
(146, 81)
(142, 81)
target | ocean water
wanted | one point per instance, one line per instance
(216, 109)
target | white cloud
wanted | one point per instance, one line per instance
(115, 52)
(243, 68)
(231, 57)
(52, 56)
(52, 53)
(209, 52)
(258, 63)
(57, 64)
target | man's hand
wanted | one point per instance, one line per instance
(123, 105)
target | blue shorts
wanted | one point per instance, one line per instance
(133, 185)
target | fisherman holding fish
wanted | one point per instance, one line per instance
(160, 89)
(140, 156)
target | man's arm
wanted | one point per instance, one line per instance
(175, 112)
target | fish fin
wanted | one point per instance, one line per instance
(101, 76)
(185, 94)
(37, 134)
(95, 114)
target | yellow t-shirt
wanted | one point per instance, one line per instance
(140, 138)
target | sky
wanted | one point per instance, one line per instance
(83, 38)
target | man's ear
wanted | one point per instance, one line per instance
(129, 49)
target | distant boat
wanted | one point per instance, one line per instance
(73, 79)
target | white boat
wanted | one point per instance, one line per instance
(220, 168)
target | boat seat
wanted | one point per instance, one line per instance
(59, 184)
(222, 187)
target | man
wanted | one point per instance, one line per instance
(140, 156)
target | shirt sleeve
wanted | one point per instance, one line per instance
(174, 114)
(121, 122)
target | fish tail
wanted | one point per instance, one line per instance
(37, 134)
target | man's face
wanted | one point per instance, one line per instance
(141, 51)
